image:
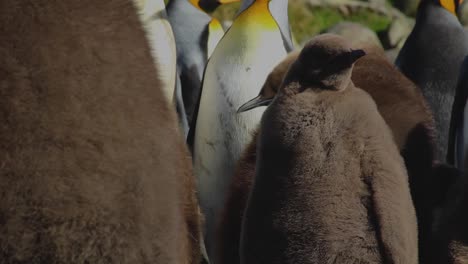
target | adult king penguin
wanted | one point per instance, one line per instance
(196, 36)
(235, 73)
(161, 38)
(431, 57)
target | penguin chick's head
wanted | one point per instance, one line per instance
(275, 78)
(451, 5)
(210, 5)
(326, 61)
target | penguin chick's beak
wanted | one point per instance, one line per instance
(254, 103)
(354, 55)
(342, 61)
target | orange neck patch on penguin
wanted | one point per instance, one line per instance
(450, 5)
(259, 13)
(228, 1)
(196, 4)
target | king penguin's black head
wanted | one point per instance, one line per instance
(211, 5)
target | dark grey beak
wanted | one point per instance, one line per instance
(342, 61)
(254, 103)
(354, 55)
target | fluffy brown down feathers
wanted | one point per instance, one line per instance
(330, 185)
(92, 166)
(412, 133)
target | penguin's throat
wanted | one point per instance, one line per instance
(258, 13)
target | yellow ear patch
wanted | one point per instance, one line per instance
(216, 32)
(215, 25)
(258, 13)
(228, 1)
(449, 5)
(196, 4)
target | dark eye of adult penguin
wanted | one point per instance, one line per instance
(431, 57)
(330, 185)
(196, 34)
(92, 166)
(235, 72)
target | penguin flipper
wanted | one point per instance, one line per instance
(392, 212)
(458, 141)
(181, 113)
(193, 122)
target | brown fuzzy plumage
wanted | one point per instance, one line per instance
(404, 108)
(401, 105)
(92, 166)
(330, 185)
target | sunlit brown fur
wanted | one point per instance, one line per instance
(92, 166)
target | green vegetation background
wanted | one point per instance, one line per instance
(307, 21)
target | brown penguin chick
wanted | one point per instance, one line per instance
(401, 105)
(404, 109)
(92, 166)
(330, 185)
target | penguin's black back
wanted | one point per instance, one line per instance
(431, 57)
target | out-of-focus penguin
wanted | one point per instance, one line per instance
(92, 166)
(330, 185)
(239, 65)
(196, 36)
(162, 42)
(458, 147)
(431, 57)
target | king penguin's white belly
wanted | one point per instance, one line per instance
(235, 74)
(162, 42)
